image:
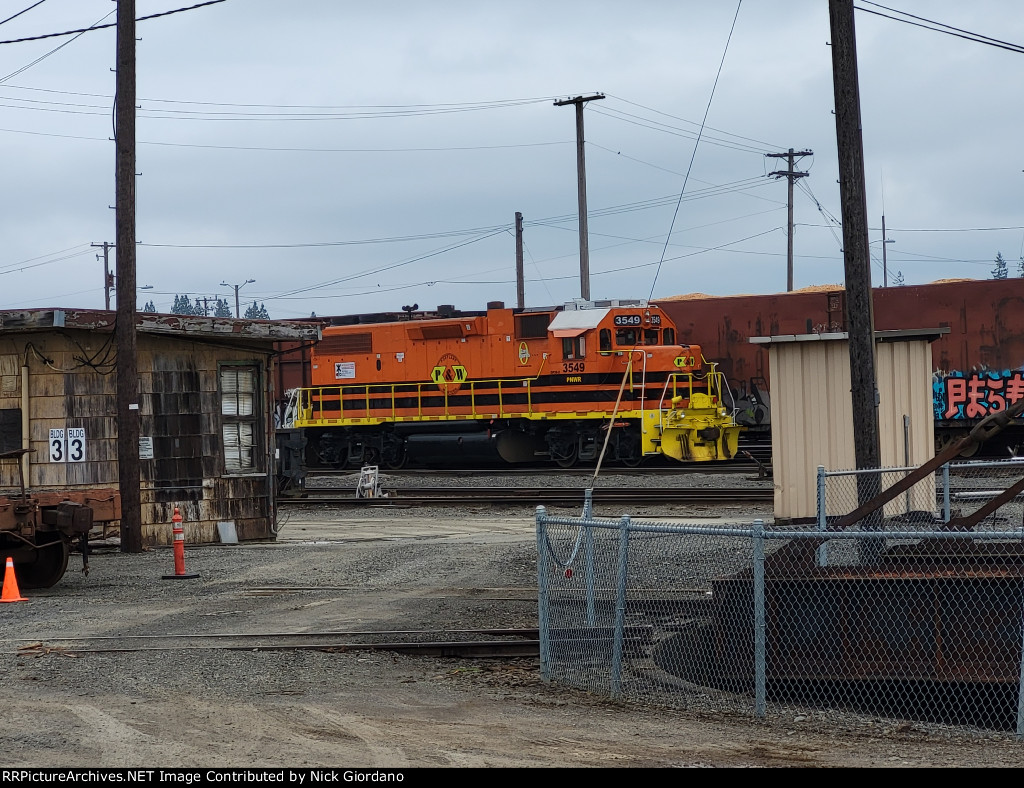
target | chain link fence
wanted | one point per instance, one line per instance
(905, 615)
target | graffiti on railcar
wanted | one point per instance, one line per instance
(969, 396)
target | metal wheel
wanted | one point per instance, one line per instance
(569, 458)
(628, 449)
(394, 456)
(49, 566)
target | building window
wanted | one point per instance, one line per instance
(240, 419)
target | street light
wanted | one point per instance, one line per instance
(238, 311)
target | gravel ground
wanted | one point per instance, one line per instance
(130, 697)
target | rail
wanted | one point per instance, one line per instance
(531, 496)
(500, 643)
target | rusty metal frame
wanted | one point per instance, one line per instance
(991, 425)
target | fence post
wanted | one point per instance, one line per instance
(588, 553)
(822, 552)
(543, 620)
(1020, 684)
(760, 693)
(620, 607)
(588, 550)
(946, 510)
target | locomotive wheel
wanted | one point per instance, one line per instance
(629, 451)
(49, 566)
(569, 459)
(632, 461)
(394, 455)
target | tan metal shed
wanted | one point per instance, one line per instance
(812, 416)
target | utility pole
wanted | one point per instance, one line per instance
(581, 177)
(520, 280)
(791, 176)
(859, 308)
(124, 326)
(885, 263)
(238, 311)
(108, 278)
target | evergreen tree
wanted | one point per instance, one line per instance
(1020, 266)
(898, 279)
(183, 306)
(999, 272)
(256, 312)
(149, 307)
(222, 309)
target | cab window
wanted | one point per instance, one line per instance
(573, 347)
(606, 340)
(650, 336)
(625, 337)
(669, 336)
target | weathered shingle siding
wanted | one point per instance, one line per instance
(72, 384)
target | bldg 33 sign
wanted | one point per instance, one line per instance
(67, 445)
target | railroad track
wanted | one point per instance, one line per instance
(727, 468)
(499, 643)
(532, 496)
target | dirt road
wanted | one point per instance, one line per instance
(124, 695)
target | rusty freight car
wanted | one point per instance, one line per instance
(977, 368)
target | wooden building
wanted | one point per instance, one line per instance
(206, 414)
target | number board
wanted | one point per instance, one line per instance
(58, 451)
(636, 320)
(76, 444)
(67, 445)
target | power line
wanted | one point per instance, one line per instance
(81, 30)
(666, 129)
(948, 29)
(427, 109)
(657, 202)
(56, 49)
(8, 19)
(693, 155)
(760, 143)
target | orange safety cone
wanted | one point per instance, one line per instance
(11, 592)
(179, 549)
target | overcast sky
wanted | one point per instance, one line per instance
(357, 157)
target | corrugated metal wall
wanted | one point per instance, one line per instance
(812, 414)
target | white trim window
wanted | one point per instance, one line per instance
(239, 418)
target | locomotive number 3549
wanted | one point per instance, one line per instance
(636, 320)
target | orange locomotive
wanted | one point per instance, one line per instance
(564, 384)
